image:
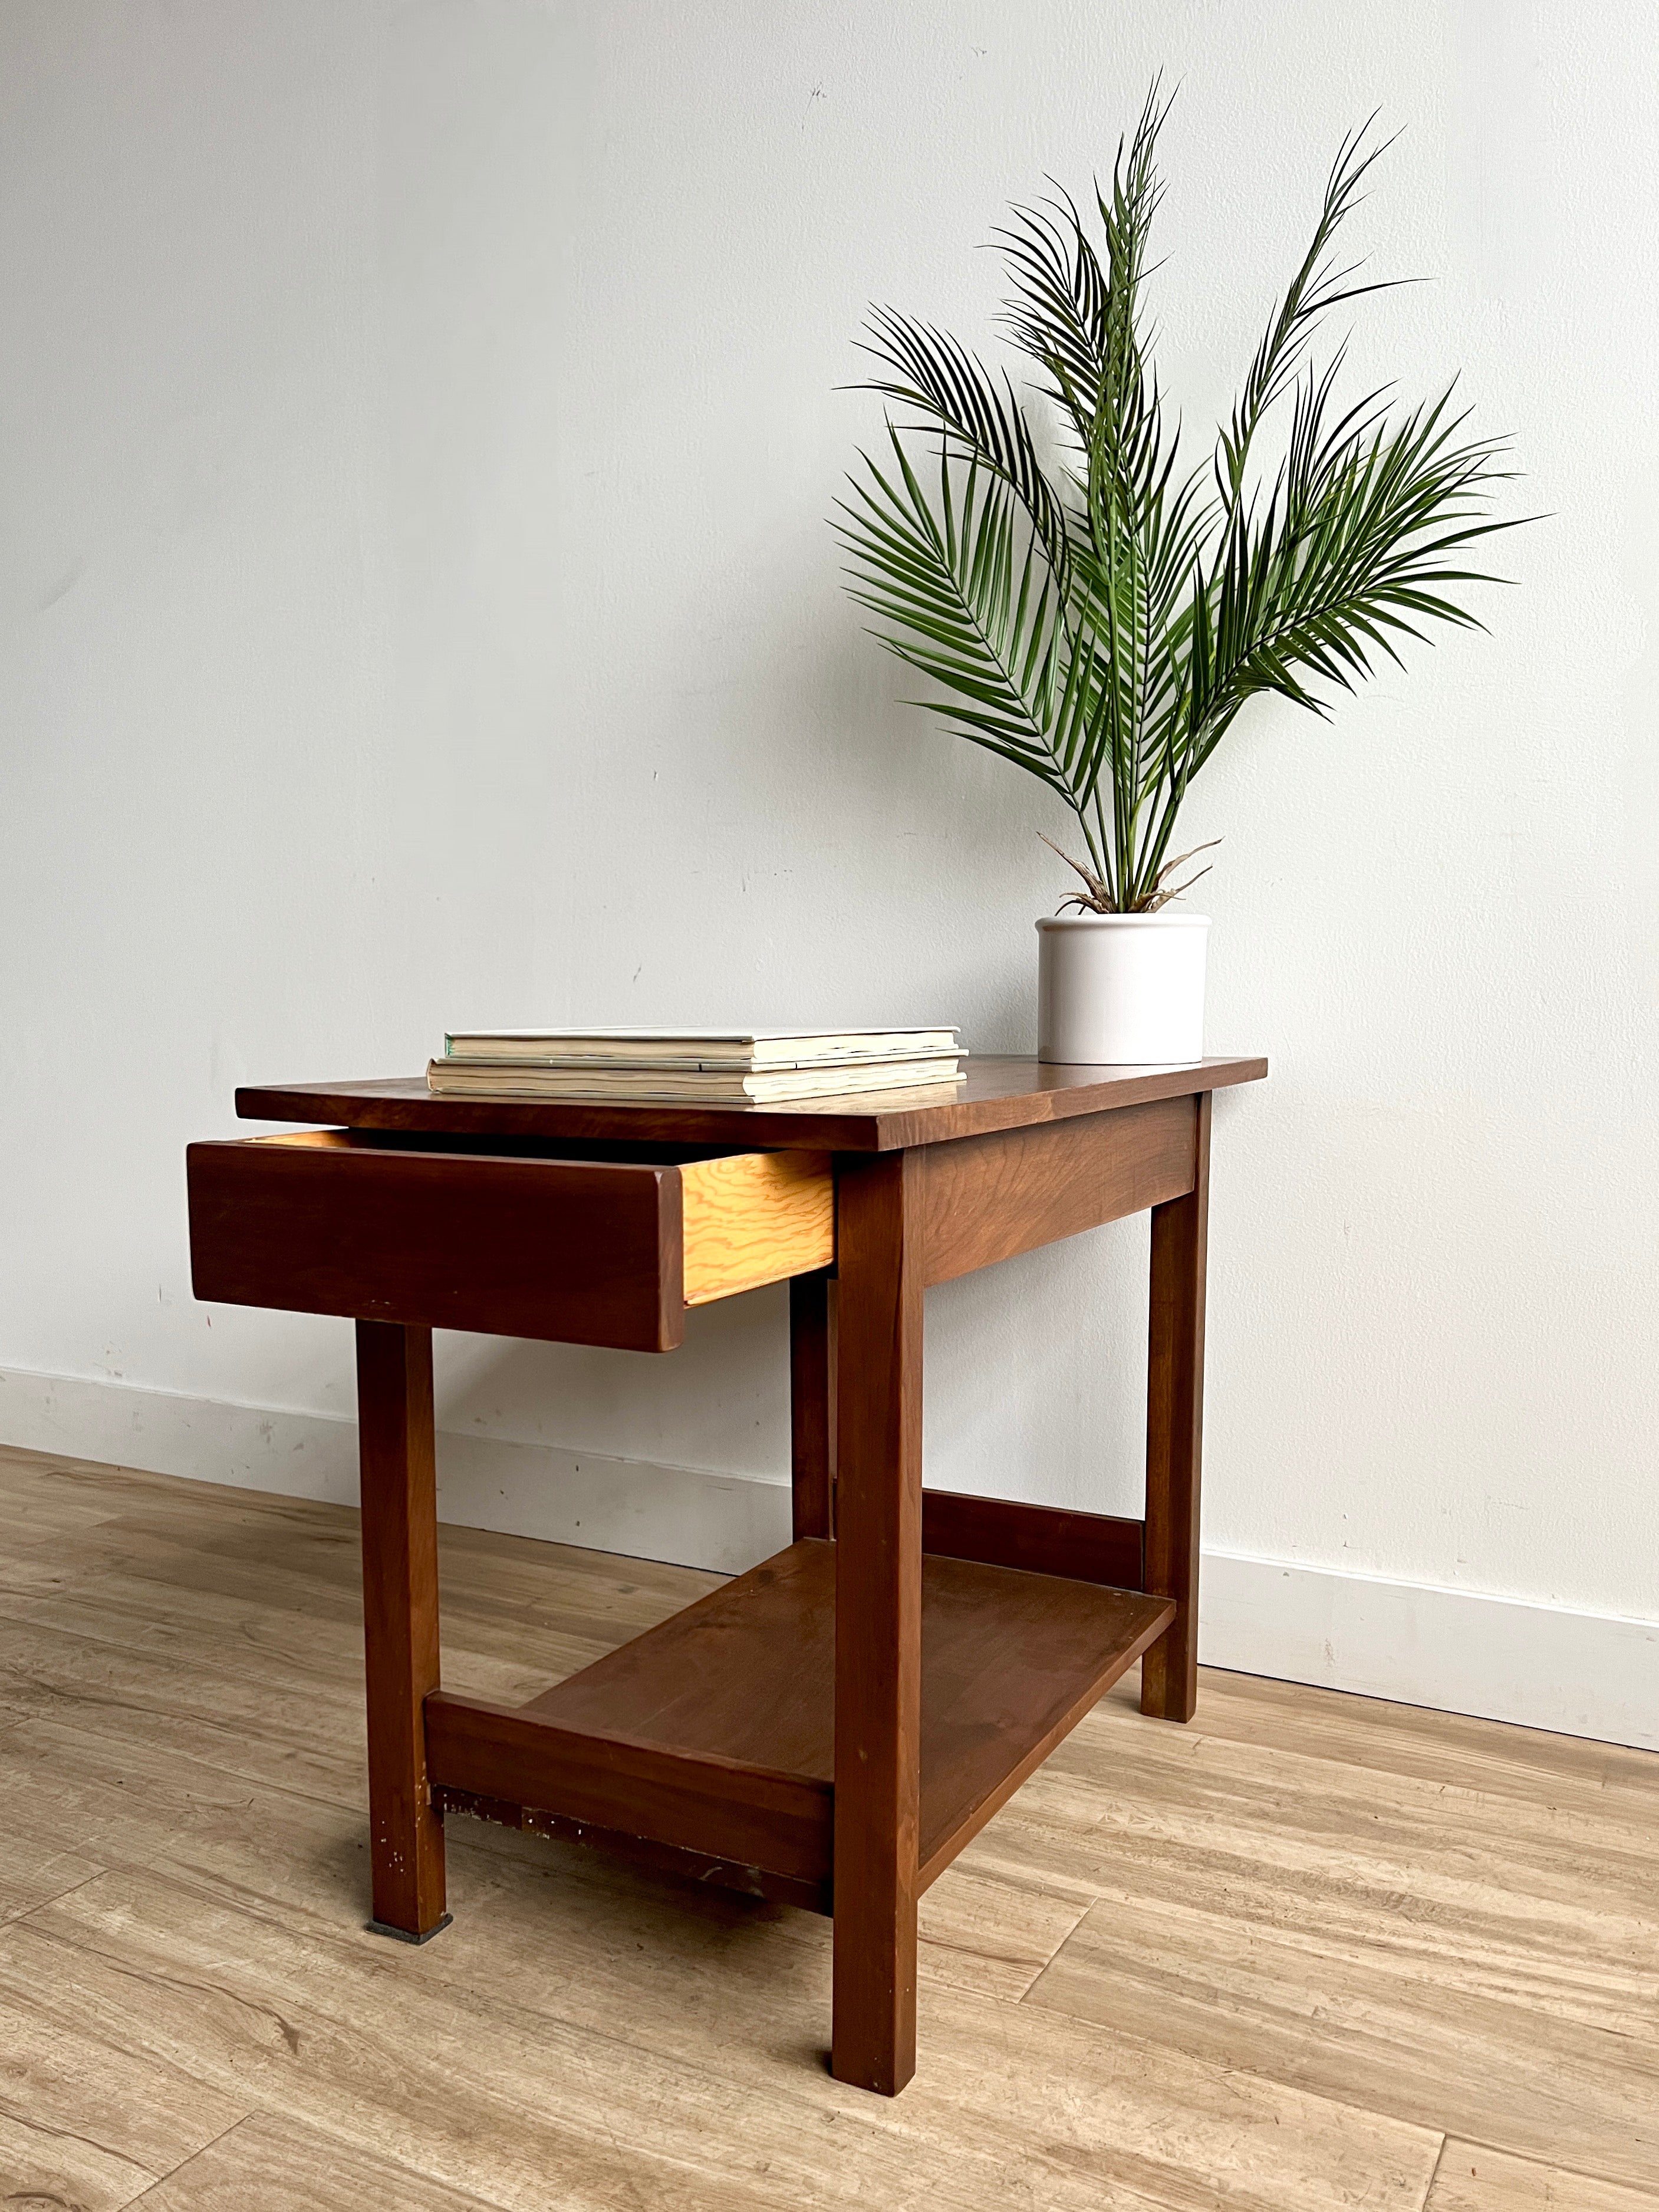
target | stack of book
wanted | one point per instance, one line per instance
(694, 1068)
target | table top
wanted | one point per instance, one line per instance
(1001, 1092)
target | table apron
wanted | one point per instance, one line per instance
(988, 1197)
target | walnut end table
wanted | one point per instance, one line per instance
(833, 1727)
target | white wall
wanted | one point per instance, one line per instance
(417, 607)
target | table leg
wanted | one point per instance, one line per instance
(878, 1620)
(400, 1623)
(1174, 1434)
(813, 1402)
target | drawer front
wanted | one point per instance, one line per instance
(580, 1252)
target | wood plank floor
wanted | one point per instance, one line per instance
(1313, 1951)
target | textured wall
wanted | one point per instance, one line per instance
(417, 607)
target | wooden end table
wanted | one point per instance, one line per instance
(833, 1727)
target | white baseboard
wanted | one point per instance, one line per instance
(1502, 1659)
(691, 1516)
(1543, 1667)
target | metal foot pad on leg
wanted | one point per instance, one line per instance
(404, 1935)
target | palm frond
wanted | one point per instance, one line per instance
(1318, 286)
(1077, 317)
(958, 597)
(931, 373)
(1102, 624)
(1364, 537)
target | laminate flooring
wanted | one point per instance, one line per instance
(1313, 1951)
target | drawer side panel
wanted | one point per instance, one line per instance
(756, 1218)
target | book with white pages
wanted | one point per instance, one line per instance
(454, 1078)
(632, 1045)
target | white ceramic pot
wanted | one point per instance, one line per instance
(1121, 989)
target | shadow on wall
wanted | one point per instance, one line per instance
(538, 1437)
(721, 1400)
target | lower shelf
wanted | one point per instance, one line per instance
(714, 1732)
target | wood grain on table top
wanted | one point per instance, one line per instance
(999, 1092)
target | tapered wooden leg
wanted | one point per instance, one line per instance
(1174, 1435)
(813, 1402)
(878, 1621)
(400, 1623)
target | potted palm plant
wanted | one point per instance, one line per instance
(1099, 616)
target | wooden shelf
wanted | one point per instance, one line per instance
(715, 1731)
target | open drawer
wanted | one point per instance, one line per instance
(508, 1243)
